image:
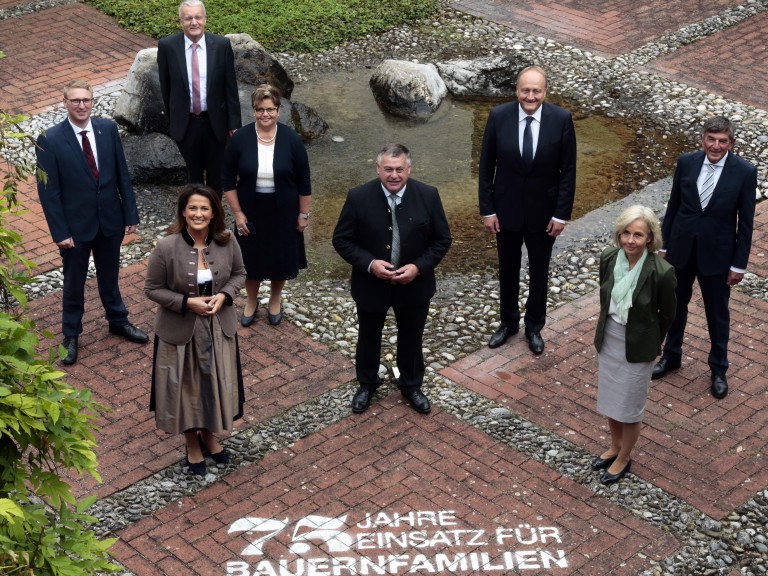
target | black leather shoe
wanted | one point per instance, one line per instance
(197, 468)
(603, 463)
(664, 366)
(608, 478)
(535, 341)
(221, 457)
(418, 400)
(361, 400)
(130, 333)
(719, 387)
(248, 320)
(70, 343)
(500, 336)
(274, 319)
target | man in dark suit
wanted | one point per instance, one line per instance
(89, 205)
(197, 80)
(707, 232)
(393, 266)
(527, 182)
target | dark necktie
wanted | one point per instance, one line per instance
(89, 158)
(395, 231)
(197, 106)
(528, 142)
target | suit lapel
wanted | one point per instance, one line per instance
(181, 59)
(644, 274)
(210, 49)
(101, 144)
(725, 177)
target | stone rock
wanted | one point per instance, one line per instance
(407, 89)
(254, 66)
(494, 76)
(304, 119)
(140, 106)
(154, 158)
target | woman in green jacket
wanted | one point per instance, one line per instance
(637, 305)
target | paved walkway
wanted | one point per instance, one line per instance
(391, 491)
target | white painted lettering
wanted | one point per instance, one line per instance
(365, 540)
(342, 566)
(420, 563)
(237, 568)
(318, 567)
(503, 534)
(264, 568)
(447, 517)
(526, 560)
(371, 566)
(549, 532)
(285, 569)
(397, 562)
(487, 563)
(445, 564)
(547, 559)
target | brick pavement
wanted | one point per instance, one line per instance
(744, 50)
(605, 28)
(390, 461)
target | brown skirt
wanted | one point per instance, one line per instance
(198, 384)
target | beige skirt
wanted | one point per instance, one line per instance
(198, 384)
(622, 387)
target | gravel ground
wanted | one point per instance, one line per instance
(464, 313)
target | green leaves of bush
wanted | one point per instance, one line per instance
(279, 25)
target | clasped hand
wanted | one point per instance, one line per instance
(385, 271)
(206, 305)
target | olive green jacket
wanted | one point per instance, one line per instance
(653, 305)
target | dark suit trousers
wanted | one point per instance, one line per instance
(202, 152)
(509, 245)
(716, 294)
(106, 258)
(410, 359)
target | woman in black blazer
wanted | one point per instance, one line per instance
(266, 183)
(637, 306)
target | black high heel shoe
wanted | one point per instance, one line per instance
(608, 478)
(197, 468)
(603, 463)
(220, 457)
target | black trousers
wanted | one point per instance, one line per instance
(716, 295)
(410, 359)
(202, 152)
(509, 246)
(106, 258)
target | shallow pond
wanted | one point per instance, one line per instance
(445, 153)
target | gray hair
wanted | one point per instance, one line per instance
(394, 150)
(638, 212)
(538, 69)
(192, 4)
(718, 124)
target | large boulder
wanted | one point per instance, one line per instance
(407, 89)
(154, 158)
(494, 76)
(140, 106)
(254, 66)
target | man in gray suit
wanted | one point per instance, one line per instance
(89, 205)
(199, 88)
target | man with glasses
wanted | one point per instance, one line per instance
(393, 232)
(199, 88)
(527, 182)
(89, 205)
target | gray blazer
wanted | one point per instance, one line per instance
(172, 279)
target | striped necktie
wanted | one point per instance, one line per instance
(708, 186)
(395, 231)
(89, 157)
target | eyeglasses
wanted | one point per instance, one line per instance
(193, 18)
(268, 111)
(78, 101)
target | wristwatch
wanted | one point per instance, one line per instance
(304, 215)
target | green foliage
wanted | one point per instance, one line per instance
(45, 427)
(279, 25)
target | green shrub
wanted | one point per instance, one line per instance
(279, 25)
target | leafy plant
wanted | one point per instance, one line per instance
(45, 426)
(279, 25)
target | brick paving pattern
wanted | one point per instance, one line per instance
(389, 460)
(605, 28)
(743, 47)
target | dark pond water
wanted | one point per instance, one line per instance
(445, 152)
